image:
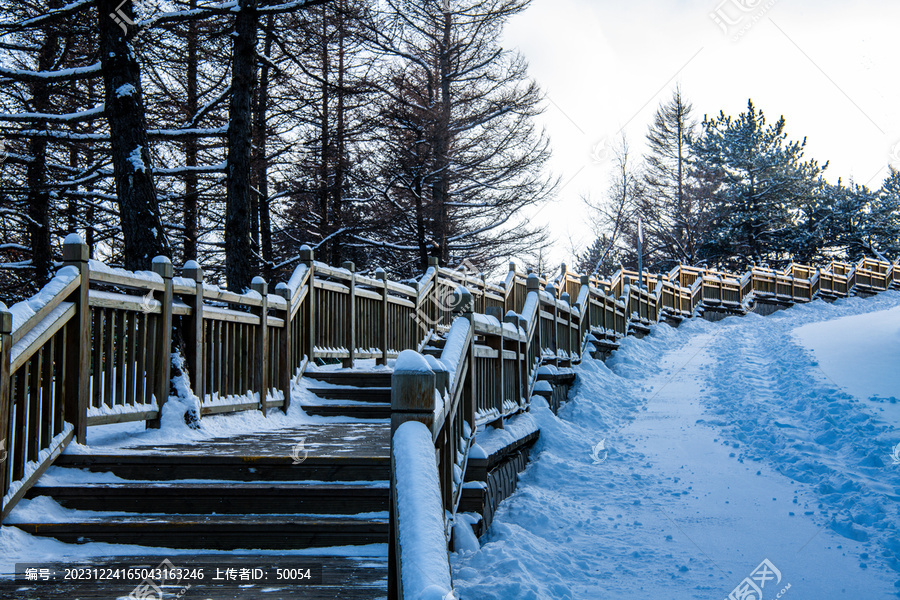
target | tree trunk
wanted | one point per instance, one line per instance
(191, 193)
(142, 230)
(238, 255)
(261, 160)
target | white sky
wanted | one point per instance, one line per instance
(605, 65)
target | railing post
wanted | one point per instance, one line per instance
(513, 319)
(307, 258)
(78, 341)
(162, 266)
(261, 360)
(412, 399)
(499, 371)
(434, 307)
(467, 308)
(5, 343)
(568, 300)
(285, 352)
(551, 289)
(195, 342)
(509, 293)
(350, 333)
(381, 276)
(533, 284)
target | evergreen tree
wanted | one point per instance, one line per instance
(760, 181)
(674, 217)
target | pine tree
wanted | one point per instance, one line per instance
(673, 214)
(759, 182)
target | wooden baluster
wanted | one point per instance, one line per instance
(162, 266)
(350, 324)
(286, 349)
(261, 345)
(381, 276)
(78, 341)
(306, 257)
(194, 331)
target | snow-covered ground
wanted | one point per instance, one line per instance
(724, 445)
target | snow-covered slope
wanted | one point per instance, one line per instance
(727, 444)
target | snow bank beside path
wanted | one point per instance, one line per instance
(860, 353)
(725, 446)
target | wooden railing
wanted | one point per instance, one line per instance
(95, 345)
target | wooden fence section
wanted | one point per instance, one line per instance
(95, 345)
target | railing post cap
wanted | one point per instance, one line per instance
(380, 273)
(566, 298)
(349, 265)
(192, 270)
(162, 266)
(433, 261)
(259, 285)
(532, 282)
(512, 266)
(306, 253)
(5, 319)
(74, 249)
(550, 289)
(585, 280)
(282, 289)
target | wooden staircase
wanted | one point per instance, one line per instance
(354, 394)
(250, 492)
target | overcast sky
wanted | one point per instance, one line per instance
(605, 65)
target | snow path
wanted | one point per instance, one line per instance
(734, 448)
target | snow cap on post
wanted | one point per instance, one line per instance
(74, 249)
(412, 390)
(5, 319)
(191, 270)
(162, 266)
(532, 284)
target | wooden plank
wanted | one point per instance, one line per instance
(59, 396)
(21, 352)
(123, 279)
(45, 310)
(109, 358)
(20, 430)
(126, 417)
(130, 358)
(33, 440)
(35, 475)
(47, 386)
(97, 356)
(140, 359)
(120, 358)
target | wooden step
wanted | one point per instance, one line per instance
(237, 468)
(370, 394)
(366, 410)
(341, 577)
(217, 532)
(355, 378)
(219, 497)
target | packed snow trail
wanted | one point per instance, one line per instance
(726, 445)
